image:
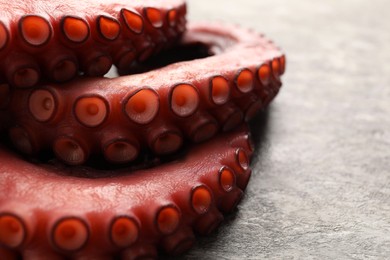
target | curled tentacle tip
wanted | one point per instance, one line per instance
(12, 231)
(124, 231)
(35, 30)
(70, 234)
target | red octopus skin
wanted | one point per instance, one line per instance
(57, 211)
(98, 214)
(157, 110)
(55, 39)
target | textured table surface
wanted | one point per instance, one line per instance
(321, 181)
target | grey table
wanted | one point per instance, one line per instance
(321, 181)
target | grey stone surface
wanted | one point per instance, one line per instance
(320, 187)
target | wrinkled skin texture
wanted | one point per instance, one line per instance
(152, 201)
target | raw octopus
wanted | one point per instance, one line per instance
(52, 40)
(119, 117)
(172, 128)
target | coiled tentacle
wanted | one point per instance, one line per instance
(55, 41)
(84, 212)
(157, 110)
(222, 76)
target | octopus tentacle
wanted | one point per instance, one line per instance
(59, 42)
(133, 214)
(167, 191)
(191, 100)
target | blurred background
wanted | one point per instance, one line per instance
(320, 186)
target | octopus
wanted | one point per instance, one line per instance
(130, 166)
